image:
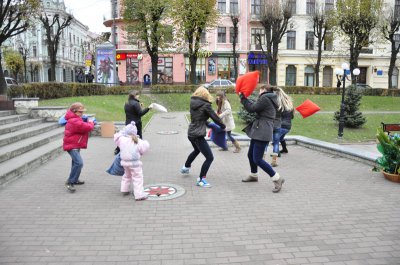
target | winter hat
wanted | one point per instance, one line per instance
(131, 129)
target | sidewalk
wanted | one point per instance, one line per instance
(331, 210)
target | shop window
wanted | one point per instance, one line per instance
(132, 71)
(200, 70)
(290, 75)
(221, 35)
(291, 40)
(327, 76)
(309, 76)
(165, 70)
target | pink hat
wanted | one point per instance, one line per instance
(131, 129)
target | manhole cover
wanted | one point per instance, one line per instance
(168, 132)
(163, 191)
(168, 117)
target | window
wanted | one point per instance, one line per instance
(310, 7)
(165, 70)
(234, 7)
(256, 7)
(222, 6)
(329, 5)
(309, 76)
(309, 40)
(34, 51)
(221, 35)
(290, 75)
(328, 41)
(397, 9)
(203, 37)
(231, 35)
(292, 6)
(327, 76)
(291, 40)
(396, 38)
(255, 34)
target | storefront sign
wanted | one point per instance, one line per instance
(132, 55)
(204, 54)
(121, 56)
(257, 58)
(242, 66)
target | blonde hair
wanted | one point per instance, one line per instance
(203, 93)
(285, 101)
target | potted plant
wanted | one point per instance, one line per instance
(389, 162)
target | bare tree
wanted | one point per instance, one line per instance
(235, 22)
(320, 22)
(275, 17)
(391, 25)
(54, 26)
(14, 20)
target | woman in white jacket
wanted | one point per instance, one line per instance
(224, 111)
(132, 148)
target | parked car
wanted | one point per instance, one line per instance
(11, 81)
(217, 83)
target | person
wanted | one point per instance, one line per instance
(224, 112)
(200, 112)
(285, 103)
(132, 148)
(287, 117)
(134, 112)
(260, 134)
(76, 137)
(90, 77)
(81, 77)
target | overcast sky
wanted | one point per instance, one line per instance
(90, 12)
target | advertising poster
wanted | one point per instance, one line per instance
(105, 64)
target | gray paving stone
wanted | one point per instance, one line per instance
(331, 211)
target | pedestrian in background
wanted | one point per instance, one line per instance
(260, 134)
(200, 112)
(132, 148)
(224, 111)
(76, 137)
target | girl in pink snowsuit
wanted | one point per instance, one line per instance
(132, 148)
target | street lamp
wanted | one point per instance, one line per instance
(342, 75)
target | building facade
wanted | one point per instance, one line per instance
(76, 43)
(297, 50)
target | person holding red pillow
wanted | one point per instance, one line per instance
(260, 132)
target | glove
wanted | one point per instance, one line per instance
(85, 118)
(94, 121)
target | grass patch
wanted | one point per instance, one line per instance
(318, 126)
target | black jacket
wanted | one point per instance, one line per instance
(200, 112)
(134, 112)
(287, 117)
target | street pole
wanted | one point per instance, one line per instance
(341, 117)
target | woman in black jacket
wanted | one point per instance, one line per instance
(134, 111)
(260, 132)
(200, 112)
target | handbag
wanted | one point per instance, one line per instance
(116, 169)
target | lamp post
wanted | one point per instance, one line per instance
(342, 75)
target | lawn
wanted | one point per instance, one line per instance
(319, 126)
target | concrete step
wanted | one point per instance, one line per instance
(4, 113)
(13, 118)
(20, 165)
(27, 132)
(15, 126)
(15, 149)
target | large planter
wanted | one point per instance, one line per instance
(391, 177)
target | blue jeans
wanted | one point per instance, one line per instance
(275, 140)
(200, 145)
(77, 165)
(230, 137)
(283, 132)
(255, 156)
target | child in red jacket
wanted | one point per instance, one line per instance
(76, 137)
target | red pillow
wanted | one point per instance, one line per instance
(247, 83)
(307, 108)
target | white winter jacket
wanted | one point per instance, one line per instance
(130, 152)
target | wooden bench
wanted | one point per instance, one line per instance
(391, 127)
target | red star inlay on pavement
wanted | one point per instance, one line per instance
(159, 191)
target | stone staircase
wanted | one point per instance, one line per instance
(26, 143)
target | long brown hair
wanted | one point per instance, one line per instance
(220, 94)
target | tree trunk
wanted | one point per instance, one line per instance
(154, 68)
(3, 84)
(393, 57)
(53, 64)
(193, 61)
(272, 74)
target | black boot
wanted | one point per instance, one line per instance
(116, 151)
(284, 149)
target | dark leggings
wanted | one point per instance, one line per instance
(255, 155)
(230, 137)
(200, 145)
